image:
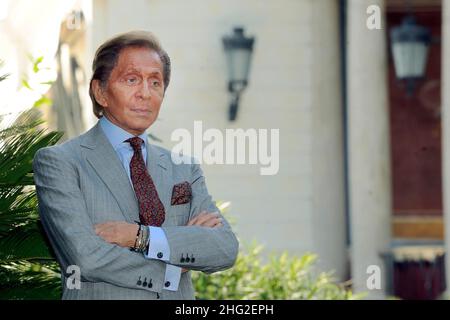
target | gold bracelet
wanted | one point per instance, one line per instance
(136, 240)
(144, 235)
(138, 248)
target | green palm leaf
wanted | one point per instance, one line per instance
(27, 266)
(25, 280)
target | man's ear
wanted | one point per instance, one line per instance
(99, 93)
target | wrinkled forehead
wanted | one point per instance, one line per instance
(140, 60)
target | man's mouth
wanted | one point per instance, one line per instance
(143, 111)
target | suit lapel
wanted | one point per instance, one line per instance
(102, 157)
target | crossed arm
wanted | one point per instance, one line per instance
(123, 233)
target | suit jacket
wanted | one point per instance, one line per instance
(82, 182)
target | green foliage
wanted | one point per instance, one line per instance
(27, 266)
(36, 68)
(29, 280)
(283, 277)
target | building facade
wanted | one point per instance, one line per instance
(362, 165)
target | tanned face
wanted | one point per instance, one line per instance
(135, 90)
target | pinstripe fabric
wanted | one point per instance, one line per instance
(82, 182)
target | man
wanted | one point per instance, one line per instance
(116, 206)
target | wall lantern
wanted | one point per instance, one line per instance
(409, 43)
(238, 50)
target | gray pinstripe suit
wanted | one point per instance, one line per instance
(82, 182)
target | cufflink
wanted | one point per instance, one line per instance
(159, 255)
(167, 284)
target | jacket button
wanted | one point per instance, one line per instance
(145, 282)
(167, 284)
(139, 282)
(150, 284)
(159, 255)
(187, 258)
(192, 259)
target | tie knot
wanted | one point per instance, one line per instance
(135, 143)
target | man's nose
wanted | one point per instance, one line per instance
(145, 90)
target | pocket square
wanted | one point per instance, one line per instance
(181, 193)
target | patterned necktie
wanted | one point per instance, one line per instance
(151, 209)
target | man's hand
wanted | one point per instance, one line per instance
(206, 219)
(117, 232)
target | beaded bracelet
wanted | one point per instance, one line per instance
(136, 241)
(144, 238)
(141, 238)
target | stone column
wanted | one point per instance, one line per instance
(328, 187)
(369, 147)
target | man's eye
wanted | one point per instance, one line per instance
(131, 80)
(156, 83)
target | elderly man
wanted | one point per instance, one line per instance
(116, 206)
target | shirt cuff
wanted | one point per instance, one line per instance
(158, 246)
(172, 278)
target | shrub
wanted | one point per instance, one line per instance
(283, 277)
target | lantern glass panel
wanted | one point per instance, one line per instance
(410, 59)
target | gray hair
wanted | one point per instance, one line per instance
(107, 55)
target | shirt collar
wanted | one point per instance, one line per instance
(116, 135)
